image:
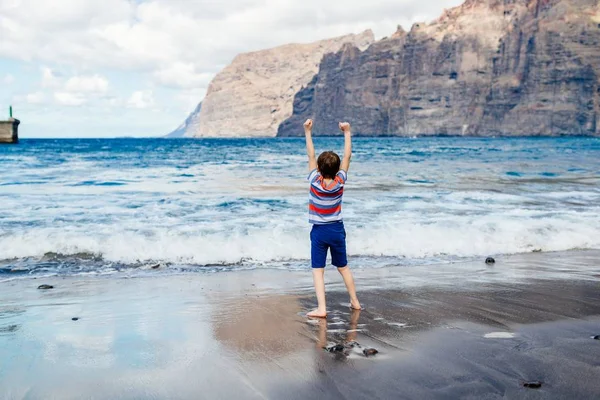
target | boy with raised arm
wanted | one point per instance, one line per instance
(327, 178)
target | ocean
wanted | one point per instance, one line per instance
(132, 207)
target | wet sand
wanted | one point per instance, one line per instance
(442, 331)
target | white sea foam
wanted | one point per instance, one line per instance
(499, 335)
(397, 324)
(130, 240)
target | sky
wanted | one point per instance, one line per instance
(111, 68)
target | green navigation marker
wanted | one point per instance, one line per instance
(10, 111)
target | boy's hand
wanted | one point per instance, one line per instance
(345, 127)
(308, 125)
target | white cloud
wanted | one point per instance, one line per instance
(69, 99)
(92, 84)
(8, 79)
(78, 83)
(182, 75)
(49, 79)
(163, 37)
(141, 99)
(33, 98)
(74, 91)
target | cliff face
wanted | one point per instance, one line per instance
(191, 124)
(253, 95)
(488, 67)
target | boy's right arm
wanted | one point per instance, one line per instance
(345, 127)
(310, 147)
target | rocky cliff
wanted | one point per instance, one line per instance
(191, 124)
(488, 67)
(254, 94)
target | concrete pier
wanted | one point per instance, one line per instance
(9, 131)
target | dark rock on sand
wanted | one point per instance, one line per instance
(532, 384)
(490, 261)
(370, 352)
(337, 348)
(45, 287)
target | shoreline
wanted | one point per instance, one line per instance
(518, 263)
(462, 329)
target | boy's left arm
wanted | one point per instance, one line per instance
(310, 147)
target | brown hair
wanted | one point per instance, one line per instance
(329, 164)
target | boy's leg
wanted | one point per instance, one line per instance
(319, 279)
(340, 260)
(349, 282)
(318, 257)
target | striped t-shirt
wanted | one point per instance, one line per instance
(325, 201)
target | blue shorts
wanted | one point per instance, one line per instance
(328, 236)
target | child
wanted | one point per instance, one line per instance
(327, 178)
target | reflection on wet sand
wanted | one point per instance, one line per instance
(266, 325)
(338, 335)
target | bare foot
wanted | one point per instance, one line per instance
(355, 305)
(317, 313)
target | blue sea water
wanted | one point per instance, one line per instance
(121, 206)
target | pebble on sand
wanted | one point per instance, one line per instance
(533, 384)
(44, 287)
(336, 348)
(490, 260)
(370, 352)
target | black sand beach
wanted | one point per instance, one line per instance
(464, 330)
